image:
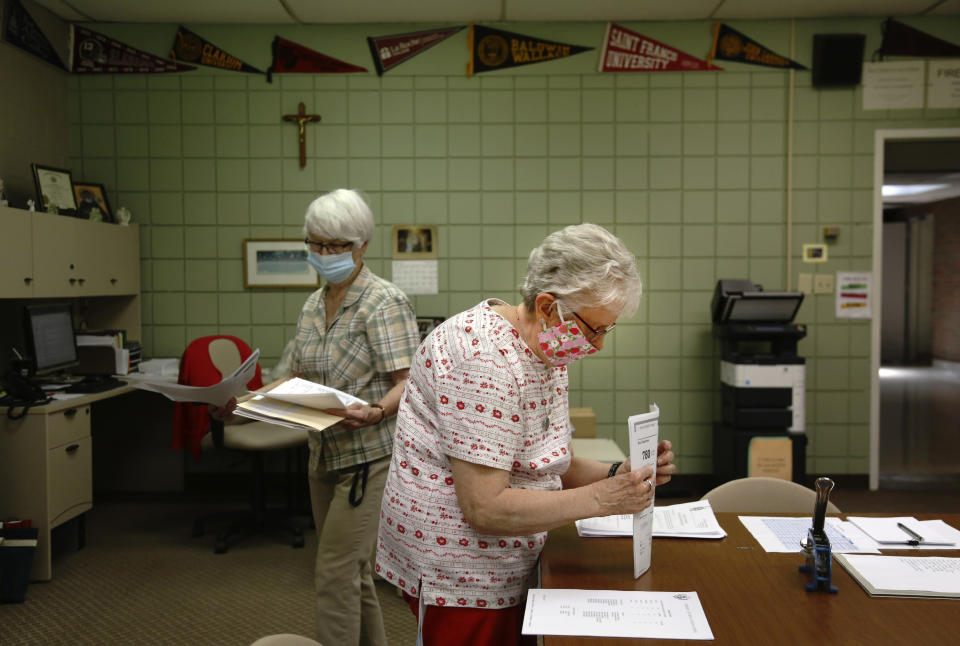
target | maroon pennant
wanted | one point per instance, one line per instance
(902, 40)
(390, 51)
(292, 58)
(93, 53)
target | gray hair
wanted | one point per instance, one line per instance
(583, 265)
(342, 214)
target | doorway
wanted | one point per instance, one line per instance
(915, 386)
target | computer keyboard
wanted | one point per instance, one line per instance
(93, 386)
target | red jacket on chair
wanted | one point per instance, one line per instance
(192, 421)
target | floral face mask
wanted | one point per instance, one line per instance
(564, 342)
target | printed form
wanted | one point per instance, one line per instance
(644, 435)
(615, 613)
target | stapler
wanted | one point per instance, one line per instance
(816, 548)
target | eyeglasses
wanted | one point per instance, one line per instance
(328, 247)
(594, 333)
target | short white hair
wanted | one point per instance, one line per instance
(583, 265)
(342, 214)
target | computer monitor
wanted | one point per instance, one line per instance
(51, 341)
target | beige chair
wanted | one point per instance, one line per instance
(764, 496)
(256, 439)
(285, 639)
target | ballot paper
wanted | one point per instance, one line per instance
(905, 576)
(644, 434)
(312, 395)
(784, 534)
(687, 520)
(217, 394)
(889, 532)
(615, 613)
(296, 403)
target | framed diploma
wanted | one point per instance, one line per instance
(54, 190)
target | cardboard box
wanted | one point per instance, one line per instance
(584, 422)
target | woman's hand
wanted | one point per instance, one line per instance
(223, 413)
(665, 466)
(628, 492)
(358, 415)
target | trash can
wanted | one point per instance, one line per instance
(16, 560)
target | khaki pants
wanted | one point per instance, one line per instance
(348, 612)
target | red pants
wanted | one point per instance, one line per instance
(471, 626)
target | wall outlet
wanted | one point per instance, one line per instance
(823, 284)
(805, 283)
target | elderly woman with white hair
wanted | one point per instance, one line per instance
(482, 465)
(358, 334)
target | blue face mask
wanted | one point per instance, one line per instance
(334, 268)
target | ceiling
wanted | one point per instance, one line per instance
(412, 11)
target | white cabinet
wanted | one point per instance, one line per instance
(55, 256)
(46, 471)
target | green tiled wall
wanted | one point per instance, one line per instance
(689, 169)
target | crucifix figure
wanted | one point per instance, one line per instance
(302, 118)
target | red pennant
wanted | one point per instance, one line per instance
(628, 51)
(390, 51)
(292, 58)
(902, 40)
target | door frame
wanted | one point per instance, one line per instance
(880, 139)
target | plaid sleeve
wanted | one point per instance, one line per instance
(393, 335)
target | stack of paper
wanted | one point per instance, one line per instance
(687, 520)
(905, 576)
(905, 532)
(217, 394)
(296, 403)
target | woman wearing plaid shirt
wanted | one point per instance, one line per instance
(358, 334)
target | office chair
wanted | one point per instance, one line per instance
(285, 639)
(205, 361)
(764, 495)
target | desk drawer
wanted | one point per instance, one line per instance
(69, 480)
(68, 425)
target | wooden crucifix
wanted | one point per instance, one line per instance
(301, 118)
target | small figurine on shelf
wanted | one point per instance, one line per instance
(53, 209)
(3, 195)
(95, 214)
(124, 216)
(31, 205)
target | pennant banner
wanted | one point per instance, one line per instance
(191, 48)
(628, 51)
(291, 58)
(495, 49)
(19, 29)
(902, 40)
(730, 45)
(93, 53)
(390, 51)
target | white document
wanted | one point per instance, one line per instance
(644, 435)
(893, 85)
(887, 531)
(784, 534)
(943, 83)
(416, 276)
(312, 395)
(905, 576)
(687, 520)
(615, 613)
(932, 527)
(217, 394)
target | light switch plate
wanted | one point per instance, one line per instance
(823, 284)
(805, 283)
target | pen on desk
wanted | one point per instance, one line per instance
(915, 538)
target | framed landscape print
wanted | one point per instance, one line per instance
(277, 263)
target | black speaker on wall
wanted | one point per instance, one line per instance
(837, 59)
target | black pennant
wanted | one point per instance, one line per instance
(20, 29)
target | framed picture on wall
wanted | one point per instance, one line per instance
(413, 241)
(54, 189)
(277, 263)
(90, 199)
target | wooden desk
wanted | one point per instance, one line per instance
(750, 596)
(46, 467)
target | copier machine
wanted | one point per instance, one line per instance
(762, 382)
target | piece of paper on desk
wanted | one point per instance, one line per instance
(217, 394)
(932, 527)
(312, 395)
(644, 434)
(784, 534)
(615, 613)
(687, 520)
(905, 576)
(887, 531)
